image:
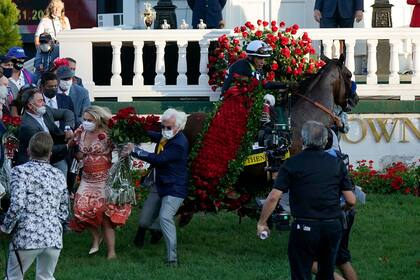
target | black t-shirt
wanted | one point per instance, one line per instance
(315, 180)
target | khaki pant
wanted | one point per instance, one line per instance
(46, 261)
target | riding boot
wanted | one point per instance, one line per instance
(139, 239)
(156, 236)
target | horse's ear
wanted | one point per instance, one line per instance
(325, 58)
(342, 58)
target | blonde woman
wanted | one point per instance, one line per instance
(54, 21)
(91, 210)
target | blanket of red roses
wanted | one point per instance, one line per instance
(217, 160)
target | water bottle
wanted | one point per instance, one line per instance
(263, 235)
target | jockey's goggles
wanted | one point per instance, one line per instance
(261, 52)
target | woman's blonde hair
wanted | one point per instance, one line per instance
(101, 115)
(49, 12)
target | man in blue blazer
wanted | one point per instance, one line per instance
(170, 162)
(210, 11)
(49, 86)
(78, 94)
(338, 13)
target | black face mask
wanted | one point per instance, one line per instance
(7, 72)
(18, 65)
(50, 93)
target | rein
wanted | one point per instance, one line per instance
(333, 117)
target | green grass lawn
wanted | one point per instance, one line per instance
(385, 245)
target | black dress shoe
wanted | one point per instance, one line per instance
(139, 239)
(156, 236)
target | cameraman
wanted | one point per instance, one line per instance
(315, 180)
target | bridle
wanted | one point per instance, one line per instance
(335, 119)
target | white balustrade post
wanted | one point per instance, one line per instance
(394, 64)
(182, 79)
(335, 49)
(138, 63)
(327, 48)
(415, 79)
(203, 80)
(160, 79)
(116, 79)
(372, 64)
(350, 55)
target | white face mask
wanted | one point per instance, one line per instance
(40, 111)
(89, 126)
(65, 85)
(167, 134)
(45, 48)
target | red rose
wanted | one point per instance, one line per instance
(248, 24)
(288, 30)
(243, 28)
(312, 51)
(101, 136)
(259, 22)
(293, 31)
(236, 41)
(274, 66)
(237, 29)
(285, 52)
(274, 28)
(258, 33)
(265, 23)
(284, 41)
(221, 55)
(288, 70)
(295, 26)
(242, 55)
(273, 23)
(214, 88)
(244, 34)
(298, 51)
(305, 36)
(282, 24)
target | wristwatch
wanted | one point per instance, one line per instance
(67, 128)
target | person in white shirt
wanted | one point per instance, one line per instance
(54, 21)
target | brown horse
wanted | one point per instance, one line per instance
(313, 101)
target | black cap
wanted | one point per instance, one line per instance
(45, 38)
(5, 59)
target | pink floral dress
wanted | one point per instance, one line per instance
(90, 204)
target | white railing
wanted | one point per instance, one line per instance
(79, 43)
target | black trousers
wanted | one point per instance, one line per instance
(343, 253)
(310, 240)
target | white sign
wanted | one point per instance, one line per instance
(383, 138)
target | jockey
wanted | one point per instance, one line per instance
(252, 66)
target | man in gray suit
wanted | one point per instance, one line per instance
(38, 117)
(79, 95)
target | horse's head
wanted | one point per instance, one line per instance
(344, 88)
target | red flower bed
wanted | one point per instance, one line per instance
(397, 178)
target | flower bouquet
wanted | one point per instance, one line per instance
(11, 143)
(126, 127)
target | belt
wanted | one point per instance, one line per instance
(315, 220)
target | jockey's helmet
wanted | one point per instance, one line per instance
(258, 48)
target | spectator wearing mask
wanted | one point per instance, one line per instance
(170, 162)
(53, 22)
(78, 94)
(315, 181)
(415, 18)
(20, 76)
(49, 87)
(210, 11)
(72, 64)
(38, 117)
(39, 208)
(6, 68)
(47, 52)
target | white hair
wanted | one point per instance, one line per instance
(270, 99)
(180, 117)
(314, 134)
